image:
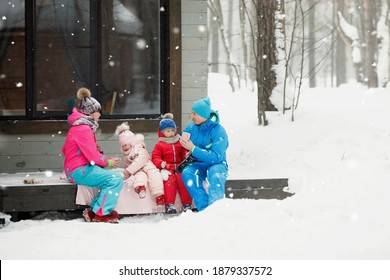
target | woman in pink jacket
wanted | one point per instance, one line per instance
(139, 168)
(84, 164)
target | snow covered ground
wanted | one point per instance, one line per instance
(336, 155)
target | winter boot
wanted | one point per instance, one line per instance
(141, 190)
(170, 209)
(186, 207)
(113, 218)
(88, 215)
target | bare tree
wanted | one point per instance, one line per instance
(216, 10)
(369, 16)
(312, 60)
(340, 57)
(266, 56)
(243, 41)
(383, 65)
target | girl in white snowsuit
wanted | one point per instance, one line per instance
(139, 168)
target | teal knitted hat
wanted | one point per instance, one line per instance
(202, 107)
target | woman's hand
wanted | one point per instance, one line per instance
(114, 162)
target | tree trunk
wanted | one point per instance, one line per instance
(383, 45)
(215, 7)
(369, 14)
(243, 43)
(341, 57)
(312, 60)
(266, 58)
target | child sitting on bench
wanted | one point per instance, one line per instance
(138, 168)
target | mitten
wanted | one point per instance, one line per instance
(141, 190)
(129, 181)
(165, 174)
(160, 200)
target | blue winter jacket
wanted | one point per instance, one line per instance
(210, 140)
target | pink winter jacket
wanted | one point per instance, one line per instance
(80, 146)
(138, 163)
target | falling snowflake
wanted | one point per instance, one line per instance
(92, 162)
(176, 30)
(141, 44)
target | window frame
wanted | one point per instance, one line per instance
(171, 87)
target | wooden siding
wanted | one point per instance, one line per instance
(194, 54)
(41, 152)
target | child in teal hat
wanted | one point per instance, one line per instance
(208, 143)
(202, 107)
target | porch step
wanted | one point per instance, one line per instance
(51, 193)
(273, 188)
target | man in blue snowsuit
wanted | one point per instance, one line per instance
(207, 143)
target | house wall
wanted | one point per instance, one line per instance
(40, 152)
(194, 55)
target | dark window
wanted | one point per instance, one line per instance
(113, 47)
(12, 59)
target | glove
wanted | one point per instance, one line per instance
(160, 200)
(129, 181)
(165, 174)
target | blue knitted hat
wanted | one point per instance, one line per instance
(167, 122)
(202, 107)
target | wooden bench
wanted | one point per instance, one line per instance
(52, 193)
(275, 188)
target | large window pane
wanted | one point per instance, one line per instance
(112, 47)
(63, 54)
(12, 58)
(130, 57)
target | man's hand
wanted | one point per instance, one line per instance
(187, 144)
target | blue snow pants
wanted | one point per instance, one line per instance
(215, 175)
(109, 182)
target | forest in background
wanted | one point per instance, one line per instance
(280, 47)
